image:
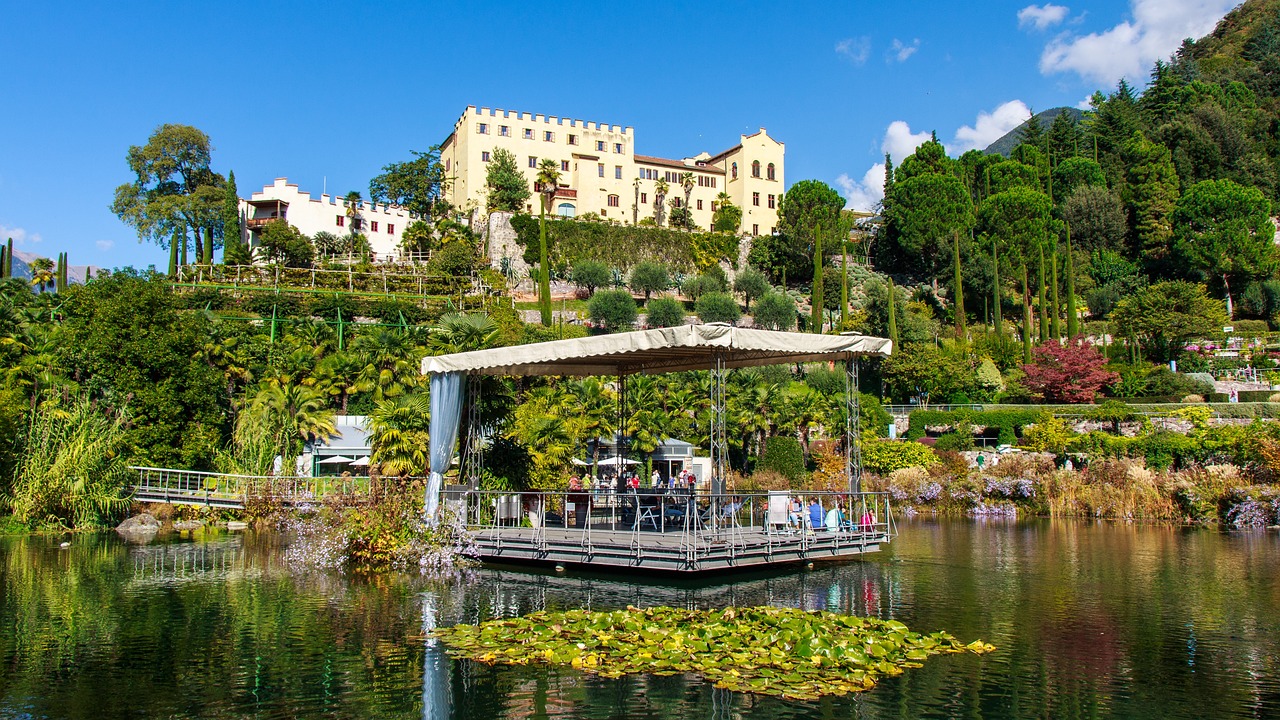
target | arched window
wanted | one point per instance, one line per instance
(613, 201)
(755, 168)
(566, 210)
(771, 174)
(735, 171)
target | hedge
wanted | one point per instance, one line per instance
(783, 455)
(623, 246)
(884, 456)
(1009, 423)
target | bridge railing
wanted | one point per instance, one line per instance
(168, 484)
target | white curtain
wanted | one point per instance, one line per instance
(446, 412)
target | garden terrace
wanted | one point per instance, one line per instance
(410, 280)
(622, 540)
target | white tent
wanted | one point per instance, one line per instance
(361, 462)
(335, 460)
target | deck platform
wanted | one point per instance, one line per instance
(611, 539)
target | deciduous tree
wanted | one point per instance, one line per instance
(1068, 373)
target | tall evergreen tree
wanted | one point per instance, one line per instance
(1073, 327)
(893, 314)
(816, 299)
(1055, 316)
(1044, 308)
(1026, 316)
(1153, 194)
(958, 289)
(995, 291)
(232, 230)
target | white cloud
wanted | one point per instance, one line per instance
(1042, 16)
(105, 245)
(864, 194)
(1129, 49)
(991, 126)
(855, 50)
(900, 142)
(901, 51)
(20, 235)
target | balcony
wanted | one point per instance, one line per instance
(564, 192)
(259, 223)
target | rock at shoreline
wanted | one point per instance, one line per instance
(187, 525)
(139, 526)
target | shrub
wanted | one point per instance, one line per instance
(1071, 372)
(885, 456)
(1049, 434)
(649, 277)
(954, 441)
(665, 312)
(782, 454)
(1193, 398)
(613, 310)
(455, 259)
(718, 307)
(752, 284)
(590, 274)
(775, 311)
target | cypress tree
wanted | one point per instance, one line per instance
(893, 314)
(1055, 320)
(995, 291)
(1073, 325)
(8, 262)
(231, 227)
(959, 287)
(816, 312)
(1026, 317)
(844, 283)
(182, 236)
(208, 246)
(173, 256)
(1044, 308)
(4, 261)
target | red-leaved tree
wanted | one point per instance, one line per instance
(1070, 373)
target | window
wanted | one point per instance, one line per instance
(548, 136)
(341, 221)
(617, 172)
(714, 204)
(599, 146)
(675, 202)
(648, 174)
(564, 166)
(504, 130)
(770, 172)
(484, 157)
(699, 204)
(604, 213)
(482, 128)
(773, 231)
(600, 169)
(356, 224)
(735, 171)
(448, 164)
(573, 139)
(373, 226)
(771, 202)
(755, 229)
(644, 197)
(613, 201)
(704, 181)
(755, 199)
(617, 147)
(565, 210)
(528, 133)
(391, 229)
(755, 168)
(533, 161)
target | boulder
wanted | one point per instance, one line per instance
(143, 523)
(187, 525)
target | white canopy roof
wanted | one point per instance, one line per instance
(688, 347)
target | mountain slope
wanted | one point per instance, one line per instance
(1006, 144)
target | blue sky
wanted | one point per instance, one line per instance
(318, 90)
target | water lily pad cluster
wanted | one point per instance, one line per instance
(765, 650)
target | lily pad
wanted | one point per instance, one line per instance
(763, 650)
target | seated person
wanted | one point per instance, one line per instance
(816, 515)
(835, 518)
(795, 513)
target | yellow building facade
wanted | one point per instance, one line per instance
(601, 172)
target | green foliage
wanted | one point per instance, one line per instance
(72, 471)
(752, 284)
(1048, 434)
(1224, 230)
(715, 307)
(1074, 173)
(922, 214)
(416, 185)
(884, 456)
(649, 277)
(727, 218)
(1153, 193)
(590, 274)
(508, 187)
(232, 244)
(455, 259)
(921, 370)
(736, 649)
(285, 244)
(1007, 423)
(614, 310)
(623, 246)
(1168, 314)
(783, 455)
(775, 311)
(664, 312)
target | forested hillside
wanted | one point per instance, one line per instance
(1177, 182)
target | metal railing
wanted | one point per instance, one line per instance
(229, 490)
(696, 523)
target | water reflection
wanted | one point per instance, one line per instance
(1091, 621)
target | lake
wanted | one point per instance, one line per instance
(1090, 620)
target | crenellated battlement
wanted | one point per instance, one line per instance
(514, 115)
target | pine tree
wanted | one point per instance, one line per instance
(1072, 323)
(844, 283)
(1032, 132)
(958, 290)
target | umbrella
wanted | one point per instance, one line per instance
(582, 463)
(361, 462)
(618, 461)
(335, 460)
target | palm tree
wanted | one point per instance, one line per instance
(589, 406)
(547, 184)
(688, 182)
(391, 363)
(231, 358)
(290, 414)
(458, 332)
(400, 435)
(353, 212)
(41, 272)
(340, 376)
(635, 205)
(660, 189)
